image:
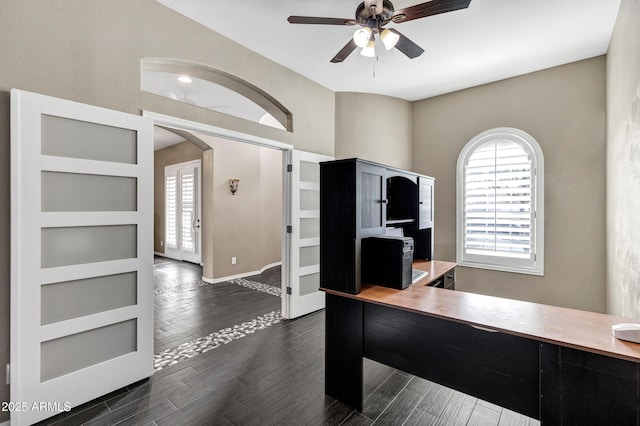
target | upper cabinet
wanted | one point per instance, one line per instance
(359, 199)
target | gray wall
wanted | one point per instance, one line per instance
(563, 108)
(623, 164)
(90, 51)
(247, 225)
(373, 127)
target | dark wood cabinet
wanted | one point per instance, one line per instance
(450, 279)
(446, 281)
(360, 199)
(372, 195)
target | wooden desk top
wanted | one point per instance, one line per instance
(587, 331)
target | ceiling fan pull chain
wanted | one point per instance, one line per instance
(374, 65)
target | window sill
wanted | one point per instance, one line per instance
(502, 268)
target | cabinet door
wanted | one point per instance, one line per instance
(425, 202)
(373, 200)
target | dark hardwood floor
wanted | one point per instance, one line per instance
(254, 369)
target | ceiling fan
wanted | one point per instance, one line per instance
(373, 15)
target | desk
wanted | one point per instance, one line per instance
(559, 365)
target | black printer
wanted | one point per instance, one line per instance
(387, 261)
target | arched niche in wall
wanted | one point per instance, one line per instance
(213, 89)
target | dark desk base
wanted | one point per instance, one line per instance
(555, 384)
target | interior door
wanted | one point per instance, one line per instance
(81, 253)
(183, 211)
(303, 294)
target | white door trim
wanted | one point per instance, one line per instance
(180, 123)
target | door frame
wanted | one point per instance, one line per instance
(232, 135)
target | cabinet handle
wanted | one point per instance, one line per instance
(384, 201)
(420, 202)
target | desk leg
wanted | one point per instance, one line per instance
(343, 350)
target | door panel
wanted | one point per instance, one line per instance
(304, 239)
(81, 252)
(425, 203)
(373, 190)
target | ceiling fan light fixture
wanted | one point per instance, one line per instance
(361, 36)
(369, 50)
(389, 39)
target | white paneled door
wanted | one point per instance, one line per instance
(81, 253)
(182, 211)
(303, 287)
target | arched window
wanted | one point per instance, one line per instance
(500, 202)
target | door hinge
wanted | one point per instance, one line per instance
(289, 229)
(8, 372)
(288, 292)
(289, 167)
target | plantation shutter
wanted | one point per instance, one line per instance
(171, 215)
(188, 210)
(498, 211)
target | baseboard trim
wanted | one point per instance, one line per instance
(234, 277)
(155, 253)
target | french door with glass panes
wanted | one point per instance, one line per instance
(303, 293)
(182, 211)
(81, 253)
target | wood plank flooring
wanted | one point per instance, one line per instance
(273, 375)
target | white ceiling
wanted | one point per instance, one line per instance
(490, 41)
(207, 95)
(163, 138)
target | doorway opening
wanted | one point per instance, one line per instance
(226, 200)
(239, 278)
(182, 211)
(298, 180)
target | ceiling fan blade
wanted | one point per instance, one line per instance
(320, 21)
(430, 8)
(344, 52)
(406, 46)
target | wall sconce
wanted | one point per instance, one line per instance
(233, 185)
